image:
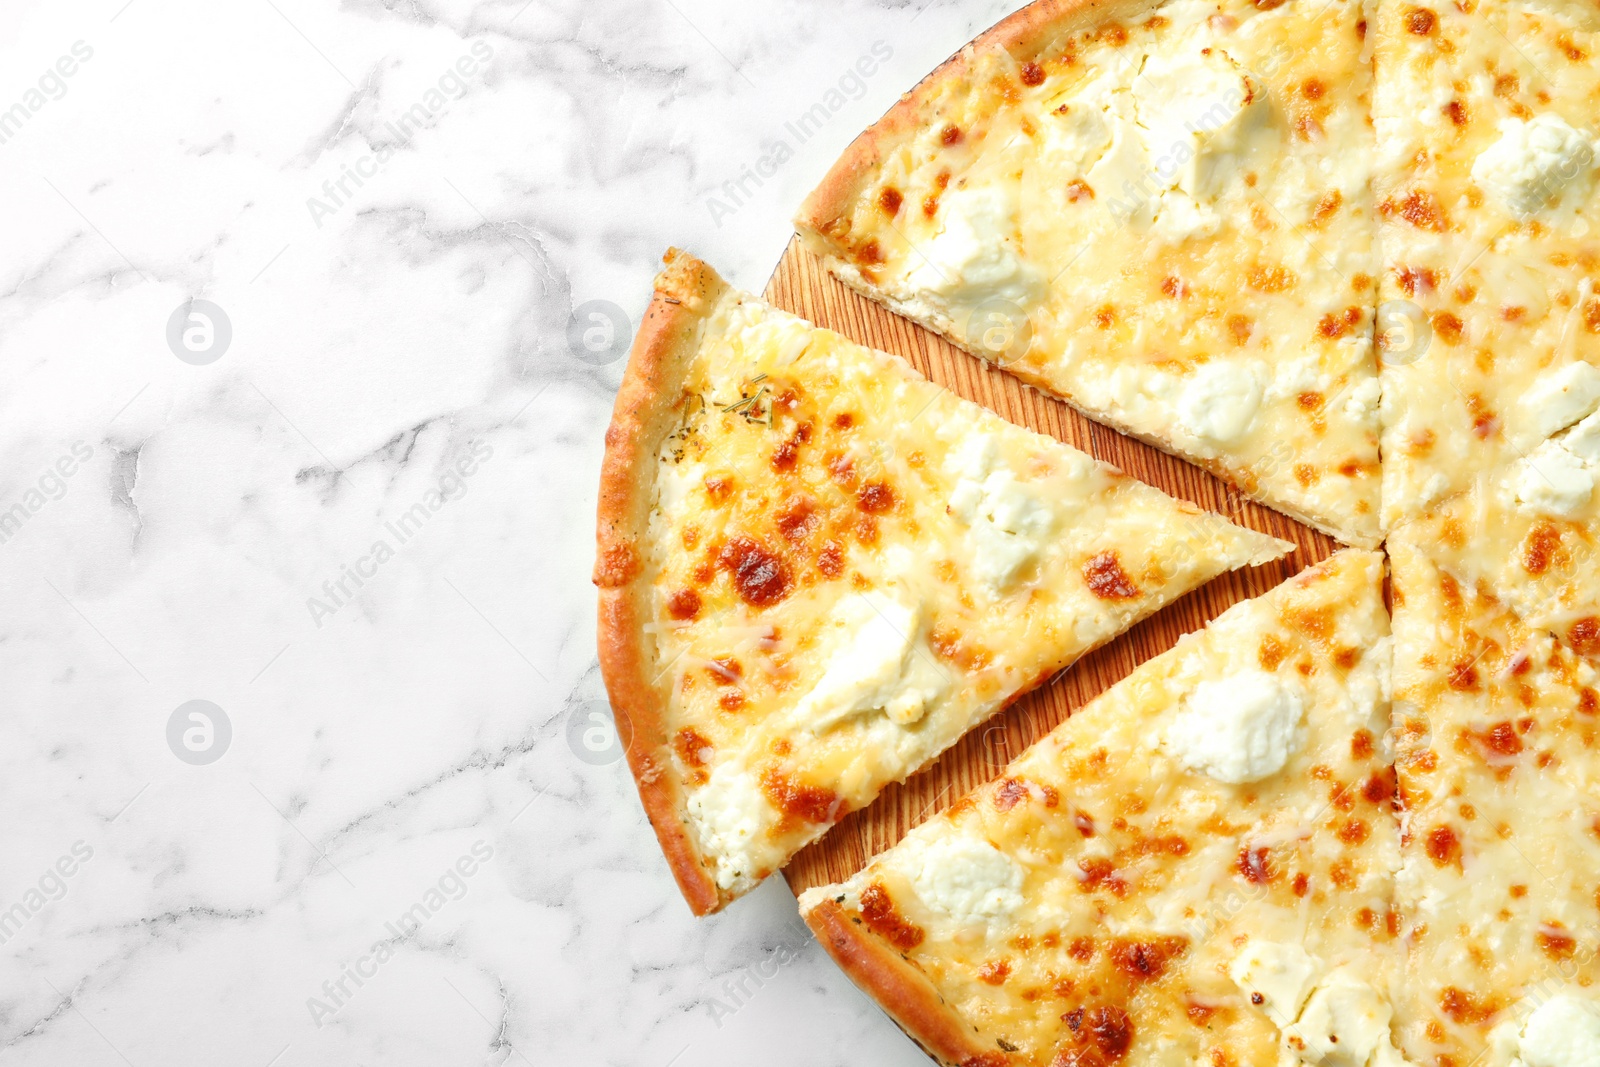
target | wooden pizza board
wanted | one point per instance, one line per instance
(802, 286)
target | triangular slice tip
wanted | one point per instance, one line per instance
(1160, 213)
(1197, 867)
(817, 570)
(1527, 533)
(1495, 722)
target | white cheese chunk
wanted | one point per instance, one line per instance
(1238, 729)
(1219, 401)
(1561, 397)
(1291, 377)
(1564, 1031)
(1076, 136)
(1008, 523)
(967, 879)
(1536, 163)
(1337, 1020)
(1164, 148)
(1362, 403)
(1196, 109)
(1122, 177)
(1433, 489)
(1553, 481)
(972, 259)
(879, 665)
(1344, 1024)
(1583, 440)
(729, 812)
(1280, 973)
(1180, 217)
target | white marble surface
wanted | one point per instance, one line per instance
(390, 730)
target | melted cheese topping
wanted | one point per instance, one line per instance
(965, 879)
(1564, 1031)
(1345, 1023)
(1238, 729)
(1485, 115)
(1527, 533)
(1536, 165)
(853, 567)
(1177, 215)
(1497, 755)
(1101, 891)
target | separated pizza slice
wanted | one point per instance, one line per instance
(1160, 212)
(1528, 535)
(1496, 731)
(1489, 208)
(1196, 868)
(818, 570)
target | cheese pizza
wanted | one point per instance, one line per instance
(1196, 868)
(818, 570)
(1160, 212)
(1485, 115)
(1496, 735)
(1529, 535)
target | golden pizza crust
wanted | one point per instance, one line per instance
(645, 412)
(1105, 880)
(1024, 33)
(900, 989)
(734, 789)
(824, 223)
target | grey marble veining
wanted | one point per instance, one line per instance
(290, 426)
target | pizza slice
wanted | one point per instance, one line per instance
(1195, 868)
(1496, 735)
(1488, 201)
(1529, 534)
(818, 569)
(1160, 212)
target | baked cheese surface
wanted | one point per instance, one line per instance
(1197, 867)
(1164, 218)
(851, 567)
(1528, 534)
(1487, 151)
(1496, 731)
